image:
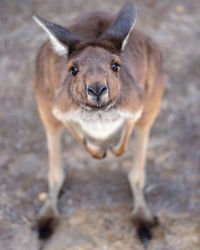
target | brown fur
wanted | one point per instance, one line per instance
(138, 84)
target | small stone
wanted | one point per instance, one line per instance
(179, 9)
(42, 196)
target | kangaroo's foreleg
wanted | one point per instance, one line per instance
(141, 214)
(95, 151)
(120, 148)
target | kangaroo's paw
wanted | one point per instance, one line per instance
(94, 150)
(118, 150)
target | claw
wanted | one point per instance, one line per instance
(146, 244)
(144, 234)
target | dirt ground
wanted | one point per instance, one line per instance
(96, 201)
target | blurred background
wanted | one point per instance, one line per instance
(96, 201)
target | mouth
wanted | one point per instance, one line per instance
(98, 106)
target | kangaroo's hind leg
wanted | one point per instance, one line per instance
(142, 216)
(48, 215)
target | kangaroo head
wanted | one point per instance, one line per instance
(92, 68)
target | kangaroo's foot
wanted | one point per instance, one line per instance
(144, 223)
(47, 220)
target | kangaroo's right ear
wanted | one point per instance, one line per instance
(62, 39)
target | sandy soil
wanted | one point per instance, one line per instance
(96, 201)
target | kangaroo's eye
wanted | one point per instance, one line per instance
(115, 67)
(74, 70)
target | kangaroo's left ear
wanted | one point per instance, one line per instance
(119, 31)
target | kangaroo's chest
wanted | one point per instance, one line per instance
(99, 126)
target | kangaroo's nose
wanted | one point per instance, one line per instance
(97, 90)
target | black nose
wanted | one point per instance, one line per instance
(97, 90)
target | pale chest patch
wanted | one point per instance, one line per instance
(99, 125)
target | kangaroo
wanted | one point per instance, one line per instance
(100, 78)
